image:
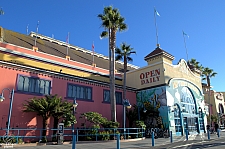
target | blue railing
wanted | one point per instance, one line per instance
(83, 134)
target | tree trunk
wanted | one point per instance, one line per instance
(124, 91)
(44, 127)
(55, 127)
(112, 74)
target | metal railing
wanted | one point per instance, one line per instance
(83, 134)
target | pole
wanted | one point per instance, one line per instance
(171, 137)
(153, 141)
(35, 42)
(118, 141)
(10, 111)
(156, 26)
(185, 45)
(209, 110)
(67, 44)
(124, 121)
(74, 142)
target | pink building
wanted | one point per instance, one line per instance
(47, 69)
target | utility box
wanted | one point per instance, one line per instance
(60, 133)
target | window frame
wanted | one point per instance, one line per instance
(85, 89)
(116, 92)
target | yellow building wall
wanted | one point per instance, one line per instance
(147, 77)
(51, 67)
(181, 70)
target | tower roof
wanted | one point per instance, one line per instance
(158, 51)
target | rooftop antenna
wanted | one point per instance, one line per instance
(184, 34)
(35, 42)
(156, 13)
(27, 28)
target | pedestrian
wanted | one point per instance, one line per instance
(216, 127)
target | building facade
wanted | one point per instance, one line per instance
(175, 90)
(47, 68)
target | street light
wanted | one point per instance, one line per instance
(2, 98)
(75, 104)
(126, 104)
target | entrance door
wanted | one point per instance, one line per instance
(190, 124)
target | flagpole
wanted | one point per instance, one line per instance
(93, 53)
(35, 42)
(185, 46)
(157, 43)
(67, 44)
(27, 28)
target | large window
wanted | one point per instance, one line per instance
(33, 85)
(80, 92)
(106, 96)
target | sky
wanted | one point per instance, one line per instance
(202, 20)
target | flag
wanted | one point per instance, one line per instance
(157, 13)
(67, 41)
(37, 26)
(185, 34)
(67, 38)
(93, 47)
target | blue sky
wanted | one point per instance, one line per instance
(202, 20)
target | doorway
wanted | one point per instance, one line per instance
(190, 124)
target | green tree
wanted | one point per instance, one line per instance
(123, 53)
(43, 107)
(62, 109)
(112, 22)
(208, 73)
(195, 64)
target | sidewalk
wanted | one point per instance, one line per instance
(127, 144)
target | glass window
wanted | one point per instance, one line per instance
(106, 96)
(33, 85)
(20, 83)
(80, 92)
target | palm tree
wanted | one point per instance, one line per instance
(43, 107)
(112, 22)
(62, 109)
(195, 64)
(208, 73)
(123, 53)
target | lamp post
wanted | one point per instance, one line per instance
(2, 98)
(126, 104)
(75, 104)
